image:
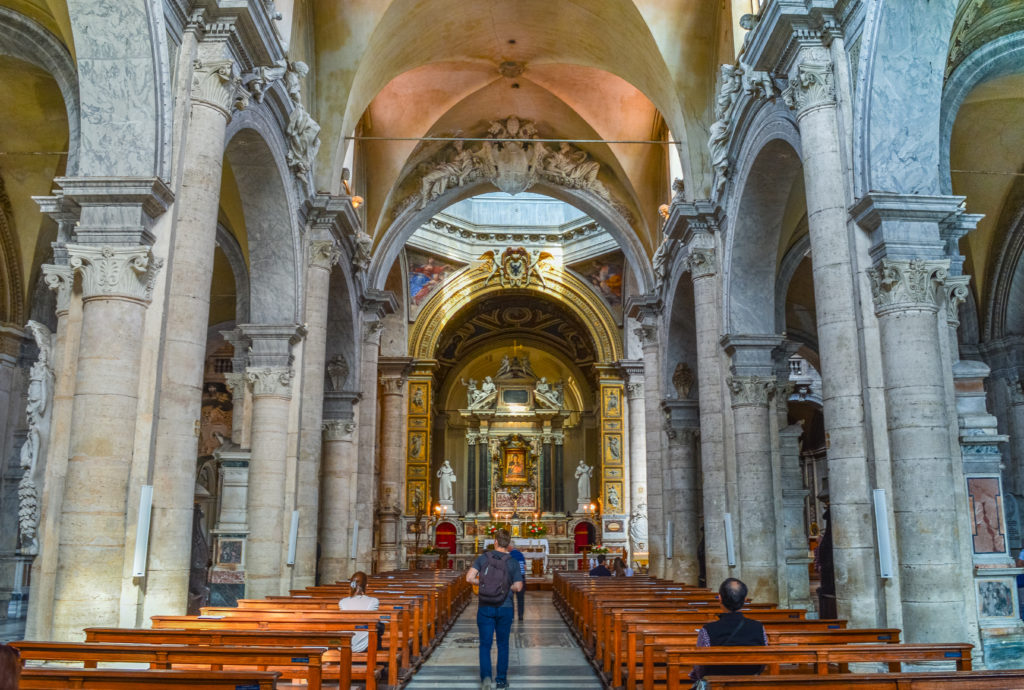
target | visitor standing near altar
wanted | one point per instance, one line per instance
(497, 575)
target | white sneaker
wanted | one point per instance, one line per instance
(486, 684)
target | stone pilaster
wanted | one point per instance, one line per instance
(338, 494)
(682, 503)
(238, 384)
(117, 283)
(812, 94)
(323, 254)
(215, 86)
(367, 429)
(648, 334)
(393, 376)
(637, 443)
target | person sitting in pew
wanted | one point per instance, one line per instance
(732, 629)
(358, 601)
(600, 570)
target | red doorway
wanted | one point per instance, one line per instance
(444, 538)
(584, 536)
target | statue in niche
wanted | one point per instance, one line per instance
(583, 474)
(613, 498)
(446, 475)
(302, 131)
(638, 527)
(683, 380)
(417, 399)
(613, 403)
(415, 446)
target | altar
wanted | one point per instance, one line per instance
(533, 549)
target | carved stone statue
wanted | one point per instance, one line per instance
(482, 396)
(37, 416)
(638, 527)
(615, 447)
(303, 132)
(446, 475)
(730, 84)
(583, 475)
(363, 244)
(683, 380)
(614, 501)
(337, 372)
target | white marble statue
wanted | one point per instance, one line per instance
(638, 527)
(444, 487)
(583, 474)
(37, 416)
(487, 387)
(613, 498)
(303, 131)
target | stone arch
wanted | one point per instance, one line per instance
(124, 75)
(800, 250)
(899, 96)
(266, 187)
(411, 218)
(343, 324)
(236, 259)
(998, 58)
(681, 343)
(770, 160)
(470, 285)
(12, 285)
(1007, 286)
(24, 39)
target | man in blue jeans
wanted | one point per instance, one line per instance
(491, 620)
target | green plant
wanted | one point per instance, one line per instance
(534, 529)
(599, 549)
(428, 550)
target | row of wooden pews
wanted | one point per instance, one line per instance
(302, 637)
(641, 632)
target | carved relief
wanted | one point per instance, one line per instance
(730, 83)
(904, 284)
(109, 271)
(392, 385)
(701, 263)
(58, 277)
(337, 372)
(682, 380)
(270, 380)
(37, 416)
(302, 131)
(515, 268)
(338, 429)
(813, 87)
(216, 84)
(324, 253)
(638, 528)
(751, 391)
(956, 294)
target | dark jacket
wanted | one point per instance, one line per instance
(600, 571)
(734, 630)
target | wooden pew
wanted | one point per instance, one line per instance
(290, 662)
(351, 621)
(681, 659)
(928, 680)
(337, 662)
(107, 678)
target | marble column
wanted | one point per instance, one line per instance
(117, 284)
(215, 87)
(752, 427)
(58, 278)
(682, 503)
(926, 520)
(794, 578)
(270, 375)
(655, 443)
(366, 501)
(338, 492)
(323, 254)
(812, 94)
(393, 376)
(637, 467)
(472, 490)
(703, 266)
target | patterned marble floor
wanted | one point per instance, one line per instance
(542, 654)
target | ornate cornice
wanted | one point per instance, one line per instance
(324, 254)
(956, 294)
(338, 429)
(813, 87)
(751, 391)
(216, 83)
(60, 279)
(270, 381)
(898, 285)
(702, 263)
(115, 272)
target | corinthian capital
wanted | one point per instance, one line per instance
(751, 391)
(216, 84)
(701, 263)
(276, 381)
(647, 334)
(902, 284)
(115, 271)
(392, 385)
(635, 390)
(324, 254)
(59, 278)
(338, 429)
(811, 87)
(956, 294)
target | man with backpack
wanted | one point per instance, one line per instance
(497, 575)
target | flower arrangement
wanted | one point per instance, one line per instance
(599, 549)
(534, 529)
(492, 529)
(428, 550)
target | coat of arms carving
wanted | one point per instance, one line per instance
(515, 268)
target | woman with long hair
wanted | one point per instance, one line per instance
(358, 601)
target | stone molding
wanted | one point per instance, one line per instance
(60, 279)
(270, 344)
(338, 429)
(956, 294)
(270, 381)
(115, 272)
(813, 87)
(215, 83)
(904, 285)
(635, 390)
(702, 263)
(116, 211)
(751, 391)
(324, 254)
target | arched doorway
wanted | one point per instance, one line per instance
(584, 536)
(444, 538)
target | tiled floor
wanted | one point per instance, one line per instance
(542, 654)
